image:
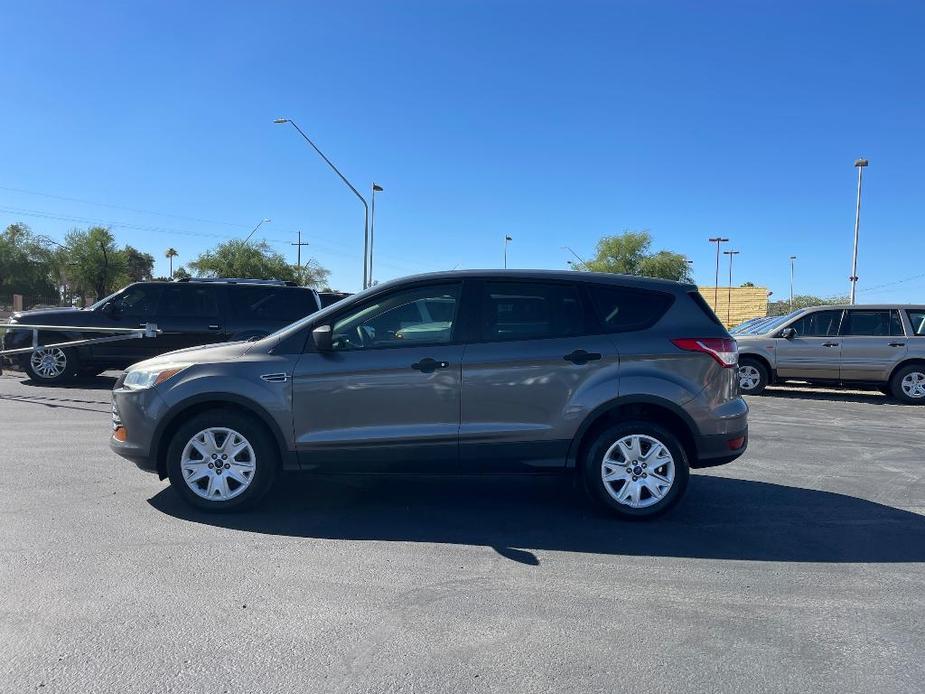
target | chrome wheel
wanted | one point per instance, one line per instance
(48, 363)
(218, 464)
(638, 471)
(749, 377)
(913, 385)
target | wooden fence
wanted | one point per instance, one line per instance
(739, 304)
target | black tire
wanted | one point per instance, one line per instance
(915, 372)
(69, 369)
(758, 373)
(265, 455)
(603, 492)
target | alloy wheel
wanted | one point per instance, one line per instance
(749, 377)
(48, 363)
(218, 464)
(638, 471)
(913, 384)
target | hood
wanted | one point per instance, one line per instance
(43, 315)
(225, 351)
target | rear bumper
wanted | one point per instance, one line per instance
(719, 450)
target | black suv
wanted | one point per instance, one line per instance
(189, 312)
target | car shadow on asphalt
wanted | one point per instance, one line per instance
(721, 518)
(807, 393)
(82, 383)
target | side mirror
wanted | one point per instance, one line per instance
(111, 309)
(788, 333)
(322, 335)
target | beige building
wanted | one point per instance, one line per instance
(739, 304)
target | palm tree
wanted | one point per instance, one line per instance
(170, 254)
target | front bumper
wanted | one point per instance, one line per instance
(135, 417)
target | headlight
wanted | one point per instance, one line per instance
(139, 379)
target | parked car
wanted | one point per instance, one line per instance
(625, 381)
(877, 345)
(189, 312)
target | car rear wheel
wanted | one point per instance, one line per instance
(636, 469)
(222, 461)
(51, 365)
(753, 377)
(908, 384)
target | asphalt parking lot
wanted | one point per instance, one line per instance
(800, 567)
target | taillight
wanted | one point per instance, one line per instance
(723, 350)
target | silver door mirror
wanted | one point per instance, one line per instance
(322, 338)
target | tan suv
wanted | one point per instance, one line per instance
(879, 345)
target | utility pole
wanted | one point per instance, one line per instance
(298, 251)
(792, 258)
(860, 164)
(717, 240)
(729, 295)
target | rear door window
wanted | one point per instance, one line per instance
(622, 309)
(817, 324)
(872, 323)
(271, 303)
(530, 311)
(917, 321)
(189, 301)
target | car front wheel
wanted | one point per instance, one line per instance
(753, 377)
(50, 365)
(636, 469)
(222, 460)
(908, 384)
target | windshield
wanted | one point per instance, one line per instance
(101, 302)
(766, 325)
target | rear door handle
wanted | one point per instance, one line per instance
(830, 344)
(214, 326)
(579, 356)
(897, 344)
(428, 365)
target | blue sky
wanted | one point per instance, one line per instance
(555, 123)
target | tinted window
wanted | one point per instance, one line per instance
(138, 300)
(189, 301)
(818, 324)
(528, 311)
(621, 308)
(917, 319)
(421, 315)
(277, 304)
(882, 323)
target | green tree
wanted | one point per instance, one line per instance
(25, 264)
(170, 254)
(782, 307)
(630, 253)
(96, 263)
(181, 273)
(138, 266)
(255, 261)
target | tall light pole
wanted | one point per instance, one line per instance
(860, 164)
(792, 258)
(580, 259)
(717, 240)
(729, 295)
(254, 230)
(507, 239)
(280, 121)
(372, 225)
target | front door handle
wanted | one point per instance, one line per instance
(579, 356)
(830, 344)
(428, 365)
(897, 344)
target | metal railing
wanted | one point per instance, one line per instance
(149, 330)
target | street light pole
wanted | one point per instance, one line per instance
(792, 258)
(859, 164)
(717, 240)
(254, 230)
(280, 121)
(372, 225)
(729, 295)
(580, 259)
(506, 240)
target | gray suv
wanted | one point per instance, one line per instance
(877, 345)
(628, 382)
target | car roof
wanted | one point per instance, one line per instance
(570, 275)
(838, 307)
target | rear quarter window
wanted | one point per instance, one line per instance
(276, 304)
(623, 309)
